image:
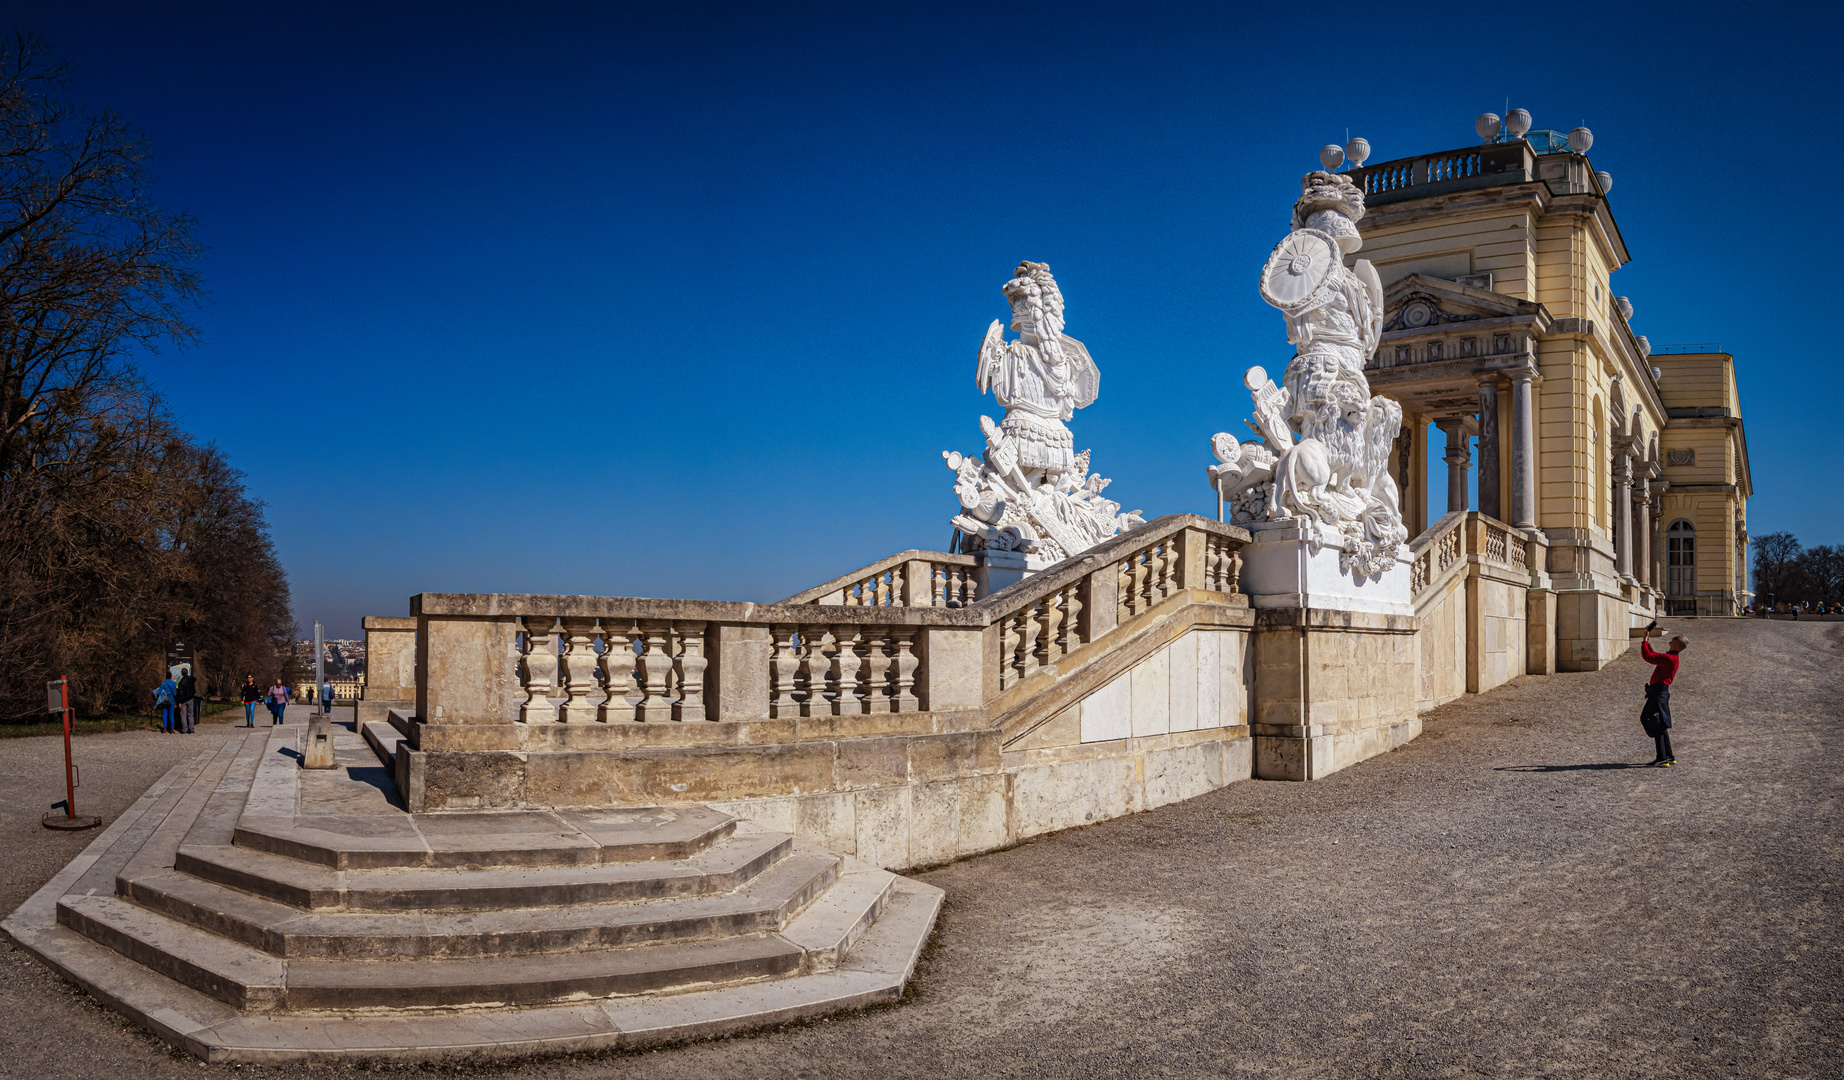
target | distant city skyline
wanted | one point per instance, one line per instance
(685, 301)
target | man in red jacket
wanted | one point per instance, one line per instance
(1656, 716)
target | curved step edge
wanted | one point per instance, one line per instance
(874, 973)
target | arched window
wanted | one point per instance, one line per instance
(1681, 559)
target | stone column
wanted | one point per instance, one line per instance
(1488, 449)
(1523, 455)
(1623, 516)
(1642, 531)
(1415, 497)
(1457, 458)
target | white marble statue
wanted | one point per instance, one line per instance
(1032, 493)
(1322, 464)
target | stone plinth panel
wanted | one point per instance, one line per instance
(1332, 688)
(390, 659)
(1281, 568)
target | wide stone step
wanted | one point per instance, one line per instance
(722, 868)
(256, 982)
(485, 840)
(225, 1000)
(383, 740)
(766, 904)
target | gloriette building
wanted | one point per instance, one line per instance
(1501, 323)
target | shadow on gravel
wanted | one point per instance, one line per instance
(1568, 768)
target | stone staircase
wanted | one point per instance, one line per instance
(250, 911)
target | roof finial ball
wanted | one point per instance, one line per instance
(1517, 122)
(1357, 150)
(1487, 126)
(1580, 140)
(1331, 155)
(1606, 180)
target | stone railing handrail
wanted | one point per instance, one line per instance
(907, 579)
(537, 658)
(1460, 537)
(1437, 552)
(978, 614)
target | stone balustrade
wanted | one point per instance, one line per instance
(906, 579)
(843, 670)
(900, 636)
(1478, 601)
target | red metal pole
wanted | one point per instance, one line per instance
(70, 778)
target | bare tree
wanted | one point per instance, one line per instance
(90, 267)
(1776, 566)
(118, 533)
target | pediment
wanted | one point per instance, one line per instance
(1419, 302)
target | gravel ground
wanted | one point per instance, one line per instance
(1505, 896)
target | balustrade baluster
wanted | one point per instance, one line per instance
(817, 667)
(655, 669)
(1027, 645)
(846, 665)
(617, 671)
(938, 584)
(690, 667)
(877, 674)
(1072, 615)
(906, 663)
(540, 670)
(1008, 648)
(579, 664)
(783, 670)
(1050, 637)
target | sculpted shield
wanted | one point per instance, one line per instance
(1300, 267)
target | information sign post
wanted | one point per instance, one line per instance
(57, 700)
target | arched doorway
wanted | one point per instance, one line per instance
(1681, 559)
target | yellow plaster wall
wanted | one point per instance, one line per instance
(1495, 242)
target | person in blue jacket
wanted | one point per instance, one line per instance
(163, 697)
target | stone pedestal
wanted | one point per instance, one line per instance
(1335, 658)
(994, 570)
(1282, 569)
(318, 753)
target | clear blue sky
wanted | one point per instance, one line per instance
(683, 300)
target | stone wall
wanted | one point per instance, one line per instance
(1332, 688)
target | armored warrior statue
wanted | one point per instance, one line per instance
(1322, 463)
(1032, 493)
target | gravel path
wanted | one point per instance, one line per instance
(1502, 897)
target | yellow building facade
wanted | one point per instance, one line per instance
(1501, 324)
(1703, 502)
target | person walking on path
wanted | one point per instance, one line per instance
(278, 701)
(163, 697)
(251, 695)
(1656, 716)
(326, 696)
(186, 698)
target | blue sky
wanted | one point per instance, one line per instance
(683, 300)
